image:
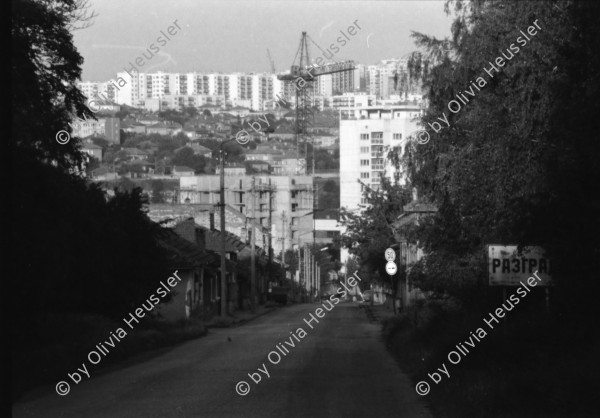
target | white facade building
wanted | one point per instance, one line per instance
(148, 89)
(366, 136)
(135, 88)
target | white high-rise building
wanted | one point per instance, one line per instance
(367, 134)
(325, 85)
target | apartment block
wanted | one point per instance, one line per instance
(367, 134)
(137, 89)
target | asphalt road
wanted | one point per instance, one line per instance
(339, 369)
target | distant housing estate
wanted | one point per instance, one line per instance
(249, 91)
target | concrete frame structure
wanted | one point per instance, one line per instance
(291, 203)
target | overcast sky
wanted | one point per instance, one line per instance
(232, 35)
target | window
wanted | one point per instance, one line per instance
(377, 163)
(377, 151)
(363, 200)
(294, 207)
(364, 136)
(377, 135)
(397, 136)
(364, 150)
(364, 175)
(294, 221)
(364, 162)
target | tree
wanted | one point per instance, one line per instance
(515, 162)
(369, 230)
(505, 169)
(186, 157)
(132, 142)
(174, 116)
(191, 112)
(45, 67)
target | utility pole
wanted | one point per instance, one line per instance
(305, 270)
(313, 157)
(222, 213)
(306, 277)
(292, 274)
(270, 233)
(252, 256)
(315, 209)
(317, 278)
(283, 243)
(311, 272)
(299, 265)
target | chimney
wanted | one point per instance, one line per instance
(212, 221)
(187, 230)
(415, 195)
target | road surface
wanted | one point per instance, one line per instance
(339, 368)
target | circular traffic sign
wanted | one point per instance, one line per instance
(391, 268)
(390, 255)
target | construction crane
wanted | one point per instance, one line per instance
(302, 76)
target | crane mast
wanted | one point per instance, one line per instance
(302, 76)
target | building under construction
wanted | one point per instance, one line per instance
(281, 205)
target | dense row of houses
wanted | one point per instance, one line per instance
(194, 251)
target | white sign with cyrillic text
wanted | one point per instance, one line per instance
(508, 268)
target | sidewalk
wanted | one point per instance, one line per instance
(239, 317)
